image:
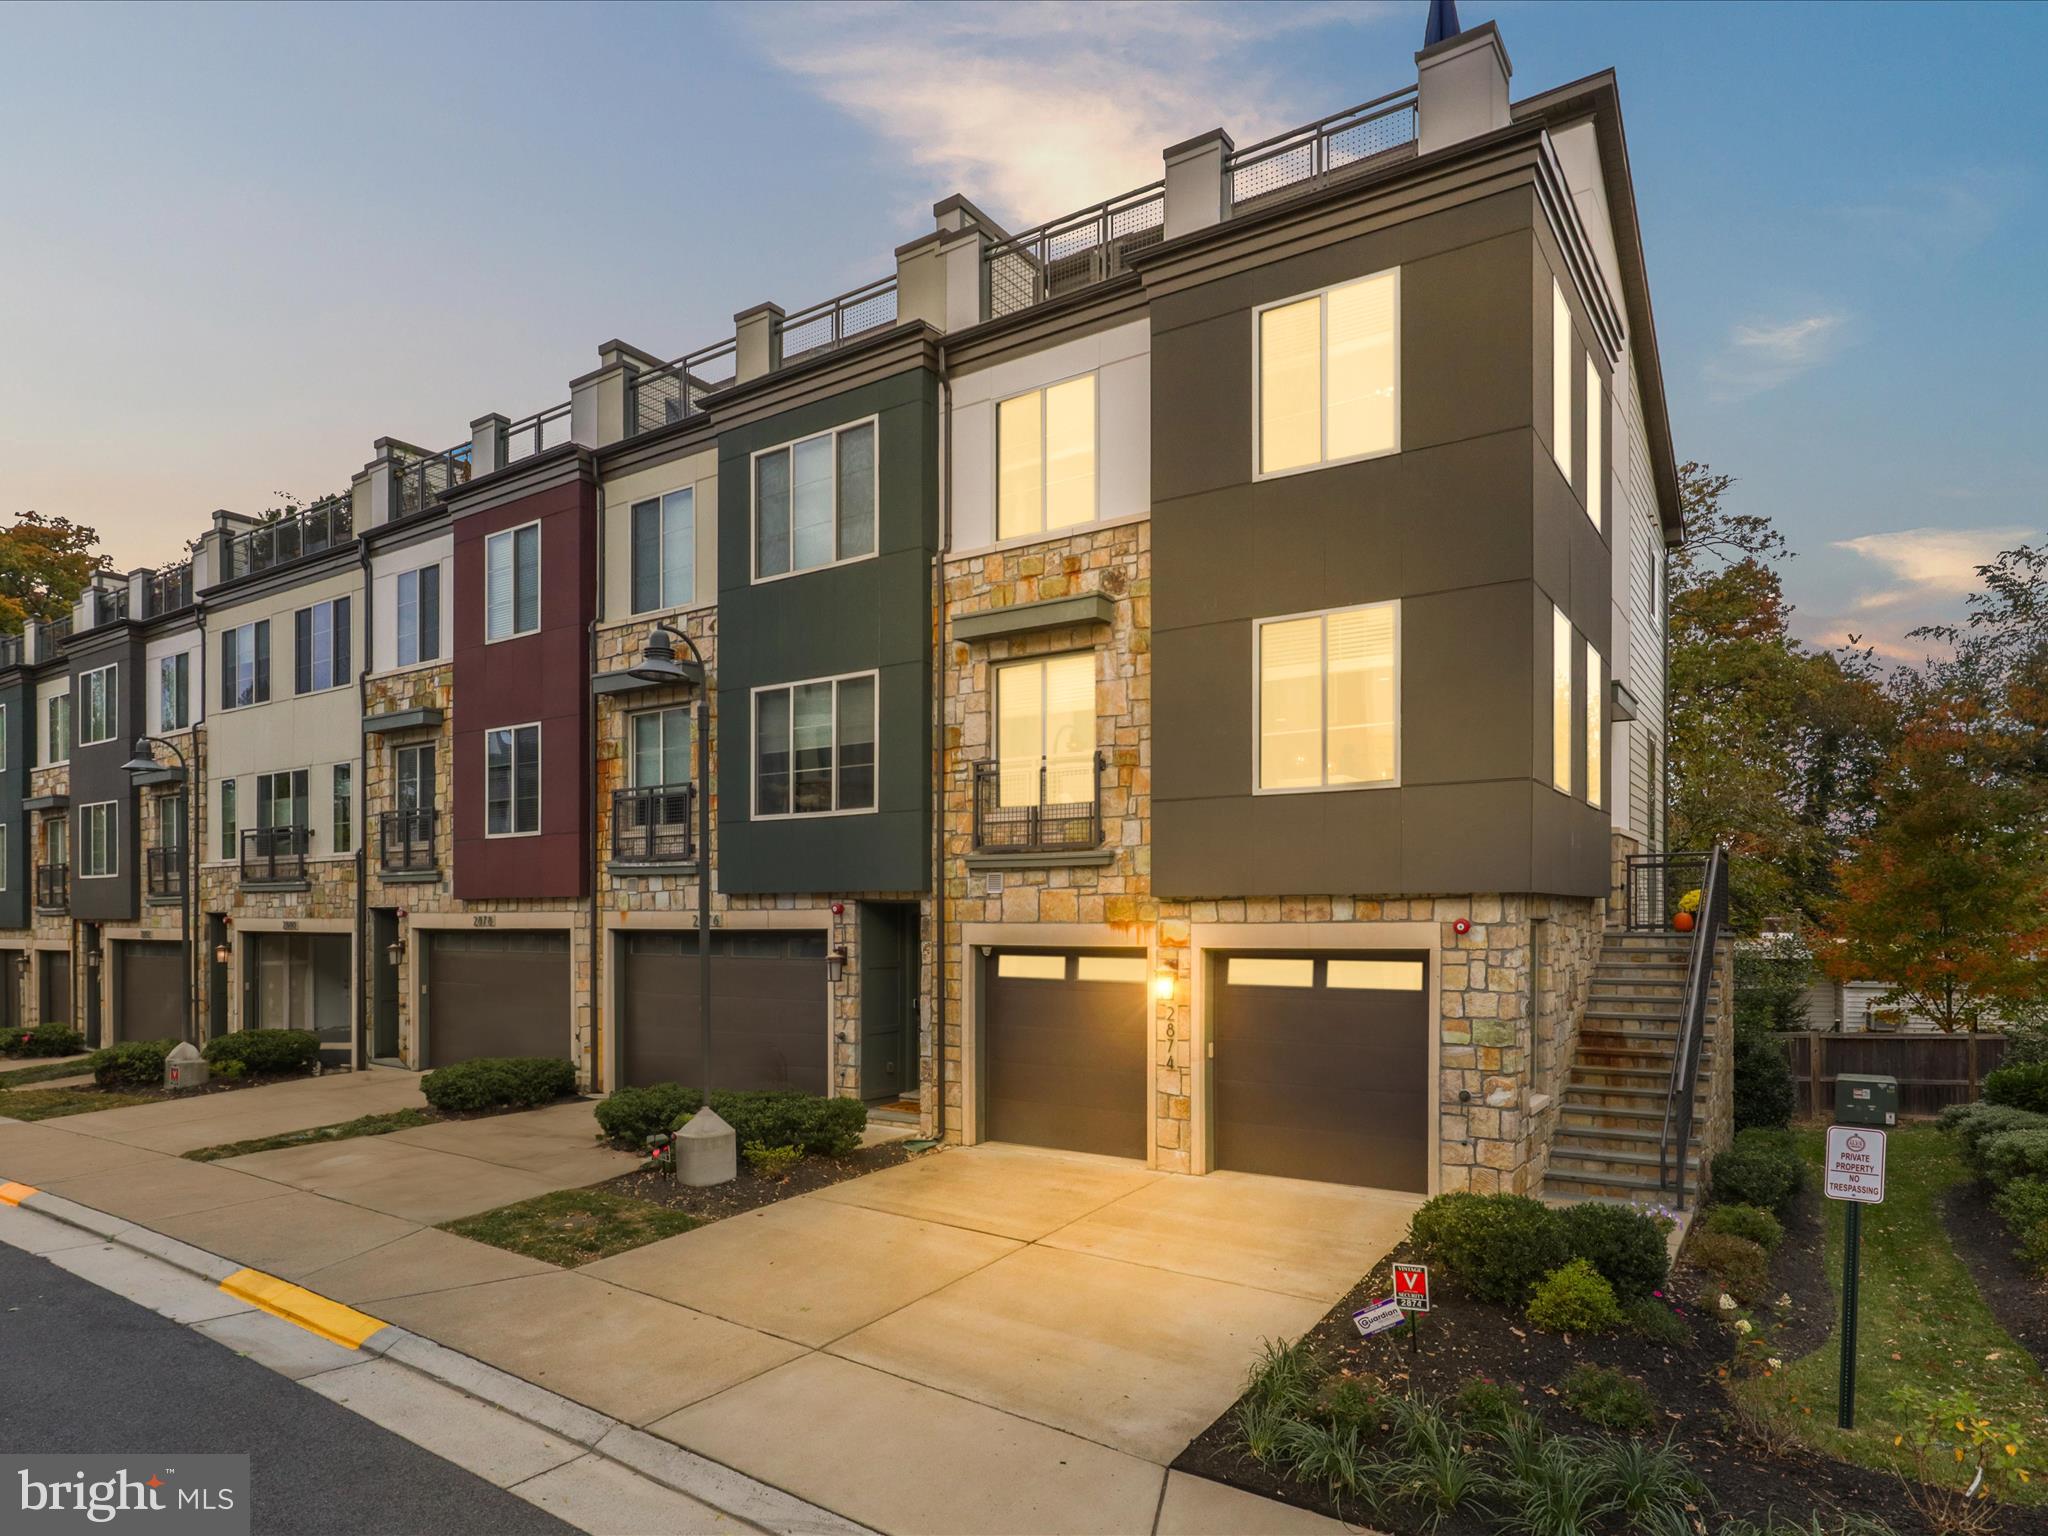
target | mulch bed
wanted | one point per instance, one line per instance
(2016, 1297)
(1799, 1269)
(750, 1191)
(1463, 1338)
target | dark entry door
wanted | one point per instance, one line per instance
(10, 989)
(888, 998)
(1321, 1067)
(1063, 1036)
(768, 1009)
(383, 985)
(150, 1001)
(497, 992)
(54, 995)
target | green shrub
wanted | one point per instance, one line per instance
(631, 1115)
(1624, 1244)
(1771, 981)
(131, 1064)
(1974, 1124)
(1765, 1094)
(2021, 1154)
(43, 1040)
(1343, 1401)
(1574, 1299)
(1607, 1398)
(1736, 1263)
(265, 1050)
(1763, 1168)
(2026, 1039)
(1750, 1221)
(1497, 1246)
(499, 1082)
(231, 1071)
(1655, 1321)
(822, 1127)
(2023, 1204)
(771, 1162)
(1485, 1405)
(2022, 1086)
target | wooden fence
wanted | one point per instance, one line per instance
(1934, 1071)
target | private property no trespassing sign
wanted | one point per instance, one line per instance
(1855, 1165)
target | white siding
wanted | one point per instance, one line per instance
(386, 566)
(186, 643)
(53, 688)
(699, 469)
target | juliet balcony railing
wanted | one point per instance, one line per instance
(654, 824)
(274, 855)
(53, 887)
(322, 526)
(422, 479)
(1073, 252)
(405, 842)
(1038, 805)
(166, 871)
(661, 397)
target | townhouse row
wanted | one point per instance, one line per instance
(1181, 682)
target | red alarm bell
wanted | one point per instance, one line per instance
(1462, 925)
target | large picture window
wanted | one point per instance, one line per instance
(1045, 731)
(245, 665)
(512, 582)
(419, 615)
(281, 799)
(512, 781)
(1329, 376)
(660, 748)
(97, 850)
(814, 502)
(814, 747)
(320, 650)
(1329, 699)
(665, 551)
(416, 778)
(98, 706)
(1045, 459)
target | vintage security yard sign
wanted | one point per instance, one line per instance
(1378, 1318)
(1411, 1287)
(1855, 1165)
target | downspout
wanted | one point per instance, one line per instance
(939, 750)
(599, 976)
(359, 792)
(195, 845)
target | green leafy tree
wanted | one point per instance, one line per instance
(45, 562)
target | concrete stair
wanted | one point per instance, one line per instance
(1611, 1112)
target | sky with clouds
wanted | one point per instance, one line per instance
(237, 244)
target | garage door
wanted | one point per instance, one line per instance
(499, 992)
(768, 1010)
(151, 1004)
(1063, 1039)
(1321, 1067)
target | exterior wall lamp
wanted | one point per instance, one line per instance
(221, 953)
(394, 952)
(1164, 982)
(835, 964)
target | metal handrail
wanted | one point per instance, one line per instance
(167, 590)
(1074, 251)
(544, 429)
(652, 824)
(53, 887)
(322, 526)
(167, 870)
(424, 478)
(660, 397)
(1309, 154)
(274, 854)
(836, 321)
(1653, 884)
(1041, 827)
(405, 842)
(1676, 1135)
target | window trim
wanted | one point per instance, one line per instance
(539, 581)
(113, 871)
(659, 712)
(1595, 502)
(331, 604)
(754, 575)
(539, 787)
(341, 806)
(410, 751)
(50, 703)
(660, 500)
(1592, 721)
(179, 663)
(1258, 712)
(420, 636)
(6, 746)
(1041, 662)
(995, 467)
(259, 674)
(1259, 471)
(754, 811)
(1562, 629)
(112, 697)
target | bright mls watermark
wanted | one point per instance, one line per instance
(160, 1495)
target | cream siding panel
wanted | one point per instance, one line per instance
(186, 643)
(385, 569)
(620, 492)
(53, 688)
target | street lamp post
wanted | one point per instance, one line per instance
(144, 761)
(704, 1149)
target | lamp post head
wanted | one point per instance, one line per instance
(659, 664)
(144, 761)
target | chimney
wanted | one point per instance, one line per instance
(1461, 88)
(1198, 183)
(757, 342)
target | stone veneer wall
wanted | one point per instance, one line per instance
(45, 928)
(1570, 953)
(161, 916)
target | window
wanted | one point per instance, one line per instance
(245, 665)
(512, 582)
(281, 799)
(227, 818)
(814, 747)
(1596, 720)
(344, 839)
(419, 615)
(1329, 699)
(814, 502)
(1596, 406)
(59, 734)
(320, 647)
(512, 781)
(96, 826)
(416, 778)
(174, 691)
(3, 743)
(665, 551)
(1560, 379)
(98, 699)
(1045, 731)
(1329, 376)
(661, 748)
(1560, 700)
(1045, 459)
(57, 839)
(3, 856)
(170, 821)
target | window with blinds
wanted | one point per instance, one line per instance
(512, 582)
(1045, 731)
(814, 502)
(1329, 376)
(664, 551)
(1329, 699)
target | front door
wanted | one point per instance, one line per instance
(300, 981)
(383, 985)
(888, 998)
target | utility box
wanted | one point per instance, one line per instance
(1863, 1098)
(185, 1067)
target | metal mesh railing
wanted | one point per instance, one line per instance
(653, 824)
(1654, 885)
(424, 480)
(1073, 252)
(167, 590)
(537, 433)
(322, 526)
(1008, 818)
(11, 650)
(664, 396)
(1309, 156)
(837, 321)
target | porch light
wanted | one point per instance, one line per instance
(835, 963)
(658, 662)
(221, 953)
(1164, 983)
(394, 952)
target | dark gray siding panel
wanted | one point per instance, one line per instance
(17, 696)
(96, 774)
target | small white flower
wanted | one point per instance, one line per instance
(1727, 1302)
(1742, 1325)
(1775, 1363)
(1785, 1300)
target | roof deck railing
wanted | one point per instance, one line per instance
(167, 590)
(324, 525)
(537, 433)
(661, 397)
(424, 478)
(1307, 157)
(836, 321)
(1073, 252)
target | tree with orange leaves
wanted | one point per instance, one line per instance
(45, 563)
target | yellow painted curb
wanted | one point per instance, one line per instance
(12, 1193)
(295, 1304)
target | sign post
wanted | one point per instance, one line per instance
(1854, 1174)
(1411, 1295)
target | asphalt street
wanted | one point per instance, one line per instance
(82, 1369)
